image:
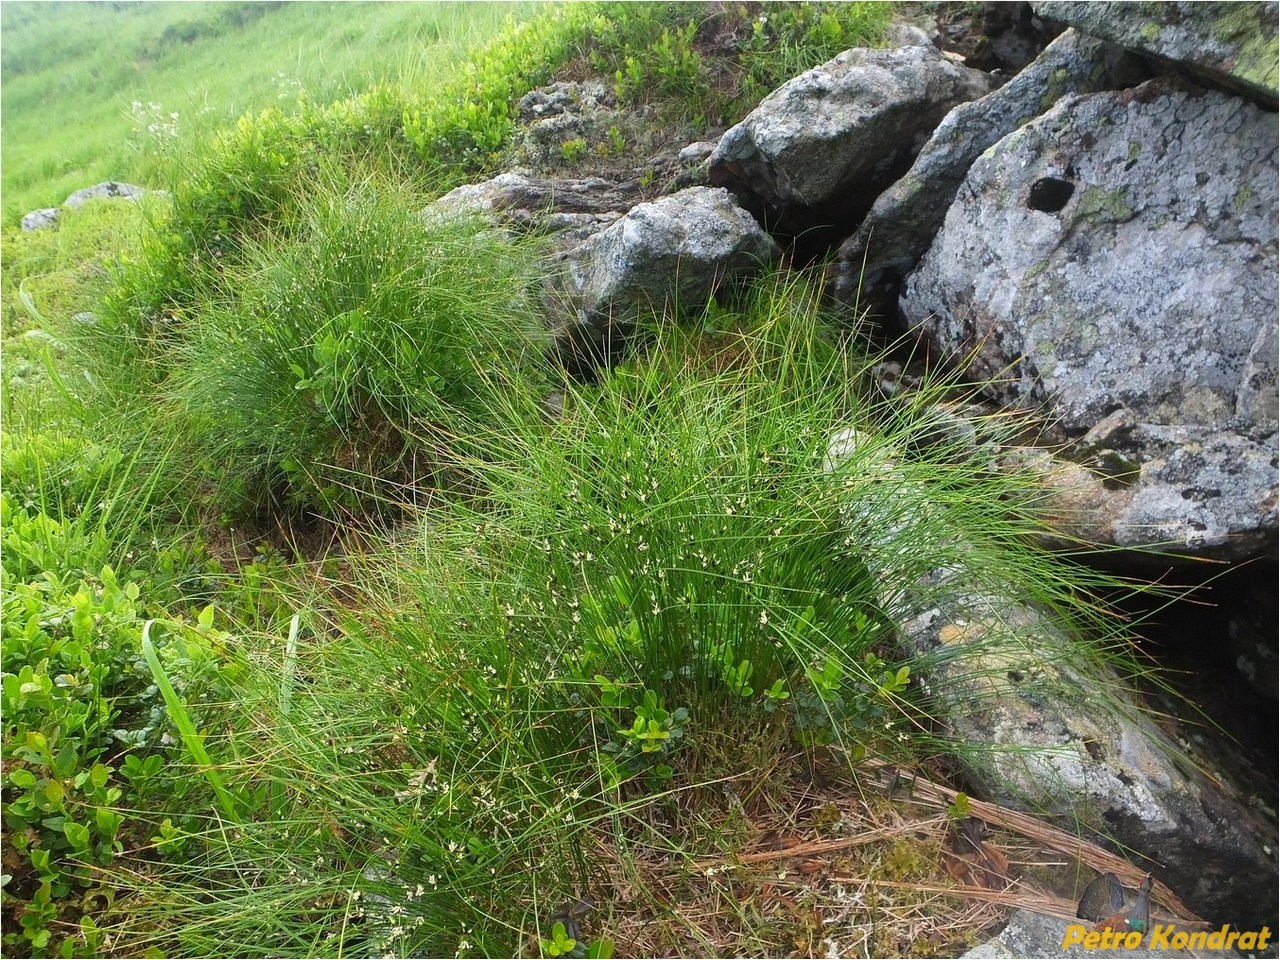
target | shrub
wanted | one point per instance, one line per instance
(83, 732)
(242, 185)
(713, 64)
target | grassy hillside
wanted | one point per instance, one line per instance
(82, 83)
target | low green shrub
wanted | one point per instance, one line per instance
(469, 124)
(84, 730)
(710, 67)
(242, 185)
(713, 64)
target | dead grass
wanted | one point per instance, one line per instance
(848, 867)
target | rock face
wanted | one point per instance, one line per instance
(1114, 264)
(897, 231)
(1049, 728)
(676, 249)
(818, 150)
(1228, 44)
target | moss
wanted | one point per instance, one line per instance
(1105, 206)
(1036, 270)
(1118, 471)
(1243, 196)
(1057, 84)
(1135, 150)
(908, 859)
(1250, 30)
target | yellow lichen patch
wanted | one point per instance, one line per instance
(962, 632)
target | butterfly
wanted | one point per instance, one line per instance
(1106, 901)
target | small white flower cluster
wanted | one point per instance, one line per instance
(288, 87)
(159, 126)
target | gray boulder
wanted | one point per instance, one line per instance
(1030, 934)
(676, 249)
(39, 219)
(1227, 44)
(47, 217)
(1113, 265)
(819, 149)
(1039, 723)
(901, 224)
(110, 188)
(529, 197)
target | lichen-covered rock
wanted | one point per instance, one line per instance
(1039, 723)
(560, 114)
(110, 188)
(676, 249)
(543, 203)
(39, 219)
(819, 149)
(904, 219)
(1232, 44)
(1049, 731)
(1113, 264)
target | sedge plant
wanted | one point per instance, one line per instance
(656, 590)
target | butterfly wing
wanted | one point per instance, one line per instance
(1102, 898)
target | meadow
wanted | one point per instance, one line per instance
(322, 638)
(80, 111)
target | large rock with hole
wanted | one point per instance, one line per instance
(819, 149)
(1113, 264)
(674, 250)
(897, 231)
(1039, 721)
(1228, 44)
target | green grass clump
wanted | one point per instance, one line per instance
(669, 587)
(344, 358)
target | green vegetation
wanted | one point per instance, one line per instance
(316, 391)
(79, 110)
(325, 633)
